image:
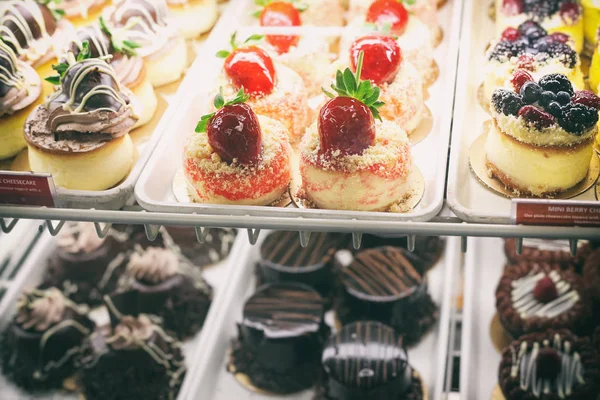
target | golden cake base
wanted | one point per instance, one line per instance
(500, 338)
(497, 394)
(477, 163)
(424, 129)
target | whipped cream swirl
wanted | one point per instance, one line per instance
(79, 237)
(40, 310)
(155, 264)
(131, 332)
(20, 85)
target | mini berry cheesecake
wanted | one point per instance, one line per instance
(193, 17)
(399, 82)
(542, 137)
(533, 297)
(237, 157)
(314, 12)
(274, 90)
(20, 93)
(531, 48)
(554, 364)
(414, 37)
(80, 12)
(81, 133)
(349, 161)
(160, 45)
(563, 16)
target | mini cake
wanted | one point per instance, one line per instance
(215, 248)
(531, 48)
(237, 157)
(41, 344)
(159, 282)
(283, 259)
(542, 137)
(130, 68)
(80, 12)
(160, 45)
(274, 90)
(549, 365)
(134, 360)
(382, 284)
(563, 16)
(280, 339)
(193, 17)
(81, 134)
(367, 360)
(549, 251)
(350, 162)
(533, 297)
(20, 92)
(414, 37)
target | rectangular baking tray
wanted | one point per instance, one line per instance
(30, 275)
(484, 265)
(154, 188)
(212, 381)
(466, 196)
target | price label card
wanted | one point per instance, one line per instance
(25, 188)
(556, 212)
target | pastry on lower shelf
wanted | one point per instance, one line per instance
(159, 282)
(348, 160)
(215, 248)
(283, 259)
(367, 360)
(274, 90)
(39, 348)
(134, 360)
(531, 48)
(237, 157)
(563, 16)
(382, 284)
(550, 251)
(81, 133)
(80, 12)
(554, 364)
(160, 44)
(542, 137)
(280, 339)
(591, 278)
(193, 17)
(533, 297)
(130, 68)
(20, 92)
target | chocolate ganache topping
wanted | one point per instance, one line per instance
(20, 85)
(39, 310)
(154, 264)
(27, 26)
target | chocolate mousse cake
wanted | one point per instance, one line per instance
(549, 251)
(134, 360)
(81, 133)
(382, 284)
(280, 339)
(39, 348)
(554, 364)
(215, 248)
(533, 297)
(542, 137)
(367, 360)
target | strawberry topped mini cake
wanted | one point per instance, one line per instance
(349, 161)
(193, 17)
(314, 12)
(274, 90)
(237, 157)
(541, 141)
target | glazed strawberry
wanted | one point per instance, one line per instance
(512, 7)
(519, 78)
(233, 131)
(281, 13)
(511, 34)
(382, 58)
(545, 290)
(347, 123)
(389, 12)
(587, 98)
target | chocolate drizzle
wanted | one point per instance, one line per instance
(20, 85)
(366, 360)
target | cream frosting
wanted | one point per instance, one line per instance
(39, 310)
(25, 84)
(79, 238)
(154, 264)
(131, 332)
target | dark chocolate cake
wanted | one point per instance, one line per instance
(40, 346)
(216, 247)
(367, 360)
(280, 338)
(134, 360)
(382, 284)
(550, 251)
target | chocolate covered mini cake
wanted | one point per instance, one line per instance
(367, 360)
(280, 339)
(41, 344)
(550, 365)
(215, 248)
(134, 360)
(532, 297)
(382, 284)
(550, 251)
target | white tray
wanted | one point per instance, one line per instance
(154, 189)
(31, 273)
(467, 197)
(212, 381)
